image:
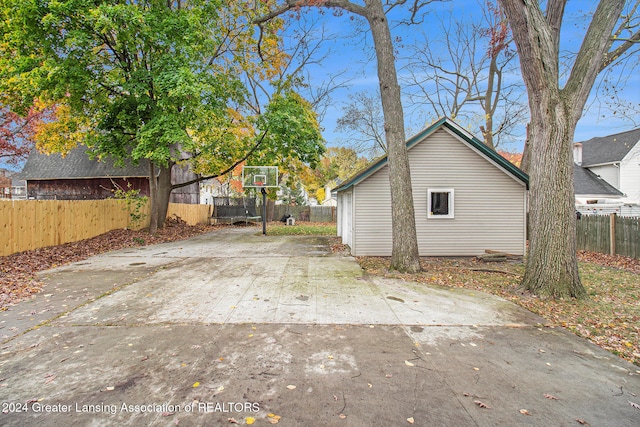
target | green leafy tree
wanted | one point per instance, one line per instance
(404, 252)
(157, 81)
(293, 194)
(337, 165)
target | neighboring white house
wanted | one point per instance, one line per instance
(467, 199)
(329, 197)
(615, 161)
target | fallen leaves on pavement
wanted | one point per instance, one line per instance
(18, 279)
(481, 404)
(609, 317)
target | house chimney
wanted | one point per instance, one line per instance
(577, 153)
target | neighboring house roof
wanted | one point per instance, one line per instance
(77, 165)
(455, 128)
(588, 183)
(608, 149)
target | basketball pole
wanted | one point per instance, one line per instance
(264, 211)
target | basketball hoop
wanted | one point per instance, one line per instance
(261, 177)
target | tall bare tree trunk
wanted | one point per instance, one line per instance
(488, 104)
(404, 255)
(552, 267)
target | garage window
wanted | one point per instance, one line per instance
(440, 203)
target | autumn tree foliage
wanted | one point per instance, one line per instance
(336, 165)
(18, 132)
(513, 158)
(404, 253)
(231, 182)
(157, 81)
(15, 136)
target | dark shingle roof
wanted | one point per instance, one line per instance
(77, 165)
(586, 182)
(609, 149)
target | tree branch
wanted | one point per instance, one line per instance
(554, 14)
(610, 57)
(295, 4)
(414, 9)
(593, 50)
(226, 171)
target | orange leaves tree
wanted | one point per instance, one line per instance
(18, 132)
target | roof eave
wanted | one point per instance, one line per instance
(593, 165)
(461, 132)
(599, 196)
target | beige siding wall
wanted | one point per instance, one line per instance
(489, 204)
(372, 216)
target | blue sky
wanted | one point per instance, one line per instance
(351, 52)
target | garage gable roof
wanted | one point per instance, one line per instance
(456, 129)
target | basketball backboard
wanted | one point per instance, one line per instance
(259, 176)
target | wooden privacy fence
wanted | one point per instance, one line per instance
(609, 234)
(31, 224)
(305, 213)
(191, 214)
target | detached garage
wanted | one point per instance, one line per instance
(467, 199)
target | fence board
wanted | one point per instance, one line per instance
(592, 234)
(306, 213)
(627, 233)
(191, 214)
(31, 224)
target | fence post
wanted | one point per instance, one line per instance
(612, 233)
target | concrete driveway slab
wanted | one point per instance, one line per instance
(206, 332)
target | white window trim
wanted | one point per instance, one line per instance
(451, 203)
